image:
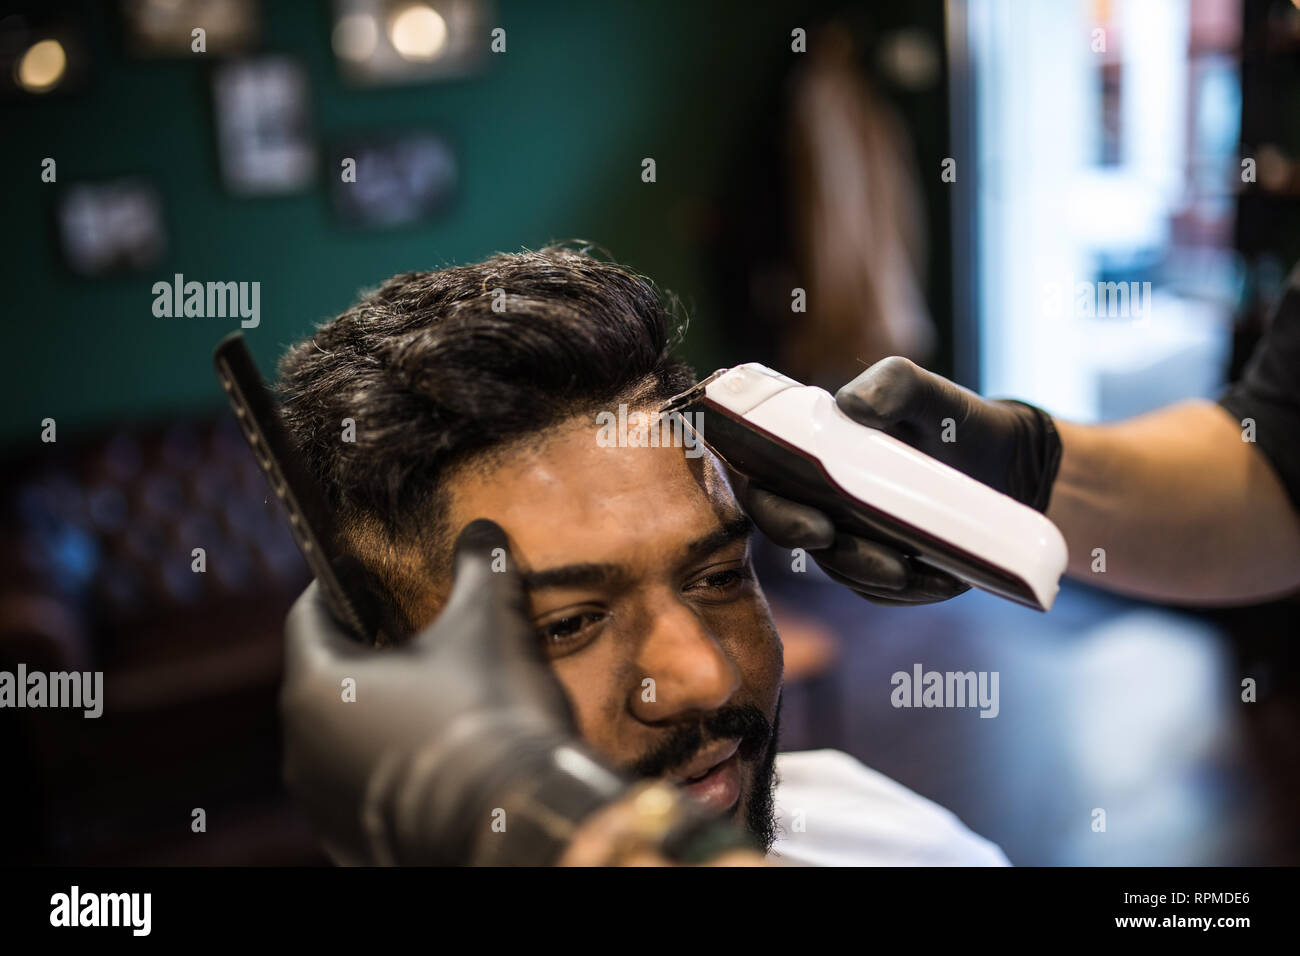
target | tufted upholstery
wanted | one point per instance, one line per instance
(96, 573)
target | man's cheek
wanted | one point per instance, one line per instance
(753, 642)
(587, 694)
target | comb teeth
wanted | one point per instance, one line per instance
(302, 501)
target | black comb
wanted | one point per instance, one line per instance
(347, 586)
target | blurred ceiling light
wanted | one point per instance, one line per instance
(164, 27)
(390, 42)
(42, 66)
(355, 37)
(417, 32)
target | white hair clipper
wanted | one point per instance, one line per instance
(795, 441)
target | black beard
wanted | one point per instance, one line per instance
(760, 815)
(758, 739)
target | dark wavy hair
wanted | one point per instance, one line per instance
(437, 367)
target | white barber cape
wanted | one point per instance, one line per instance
(834, 811)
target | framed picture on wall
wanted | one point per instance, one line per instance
(113, 227)
(393, 179)
(264, 138)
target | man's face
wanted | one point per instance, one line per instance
(638, 570)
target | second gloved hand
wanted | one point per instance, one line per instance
(1010, 446)
(410, 754)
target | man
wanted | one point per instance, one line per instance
(474, 393)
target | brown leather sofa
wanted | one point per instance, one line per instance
(97, 554)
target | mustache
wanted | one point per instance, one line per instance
(686, 740)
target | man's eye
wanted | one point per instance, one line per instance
(568, 629)
(724, 581)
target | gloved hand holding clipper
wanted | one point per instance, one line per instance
(411, 754)
(1008, 445)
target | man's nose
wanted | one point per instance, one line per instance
(689, 668)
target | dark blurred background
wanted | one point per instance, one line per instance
(938, 178)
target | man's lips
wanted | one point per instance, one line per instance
(713, 777)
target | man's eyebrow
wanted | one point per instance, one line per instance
(575, 576)
(613, 575)
(732, 529)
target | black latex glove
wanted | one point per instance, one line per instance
(447, 730)
(1010, 446)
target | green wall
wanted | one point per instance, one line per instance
(550, 137)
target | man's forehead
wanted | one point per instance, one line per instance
(564, 495)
